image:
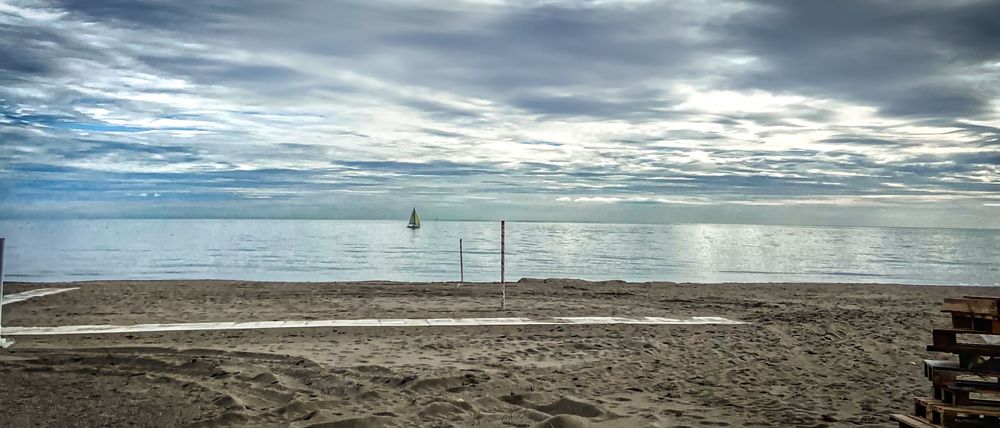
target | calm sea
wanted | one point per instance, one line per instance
(334, 250)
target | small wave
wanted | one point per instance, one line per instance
(873, 275)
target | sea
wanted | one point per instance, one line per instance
(351, 250)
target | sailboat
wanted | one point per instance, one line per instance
(414, 220)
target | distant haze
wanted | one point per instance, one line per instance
(783, 112)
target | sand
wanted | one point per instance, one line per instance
(812, 355)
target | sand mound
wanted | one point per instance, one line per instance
(363, 422)
(440, 409)
(224, 420)
(564, 421)
(562, 406)
(565, 281)
(571, 406)
(297, 407)
(436, 383)
(534, 415)
(227, 401)
(200, 365)
(527, 399)
(371, 395)
(570, 421)
(266, 378)
(491, 404)
(451, 383)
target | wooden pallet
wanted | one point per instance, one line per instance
(955, 385)
(969, 354)
(966, 392)
(940, 413)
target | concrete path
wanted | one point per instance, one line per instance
(38, 292)
(433, 322)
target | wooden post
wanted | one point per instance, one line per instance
(3, 342)
(461, 263)
(503, 282)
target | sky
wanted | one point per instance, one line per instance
(787, 112)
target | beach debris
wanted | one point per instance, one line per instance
(966, 393)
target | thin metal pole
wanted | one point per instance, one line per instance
(503, 282)
(461, 263)
(3, 342)
(2, 242)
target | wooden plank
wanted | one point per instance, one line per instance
(949, 379)
(933, 366)
(972, 315)
(963, 395)
(967, 350)
(907, 421)
(937, 366)
(961, 331)
(979, 386)
(920, 409)
(945, 338)
(977, 306)
(942, 372)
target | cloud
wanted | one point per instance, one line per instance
(533, 109)
(920, 59)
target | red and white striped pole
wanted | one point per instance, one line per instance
(461, 263)
(503, 282)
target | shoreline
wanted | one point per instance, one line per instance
(524, 280)
(812, 354)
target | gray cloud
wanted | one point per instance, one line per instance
(564, 104)
(144, 14)
(912, 59)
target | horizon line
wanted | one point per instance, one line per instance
(69, 218)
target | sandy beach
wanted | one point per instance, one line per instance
(811, 355)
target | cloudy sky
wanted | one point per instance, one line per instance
(802, 112)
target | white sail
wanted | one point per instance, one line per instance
(414, 220)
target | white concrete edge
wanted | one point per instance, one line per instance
(30, 294)
(401, 322)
